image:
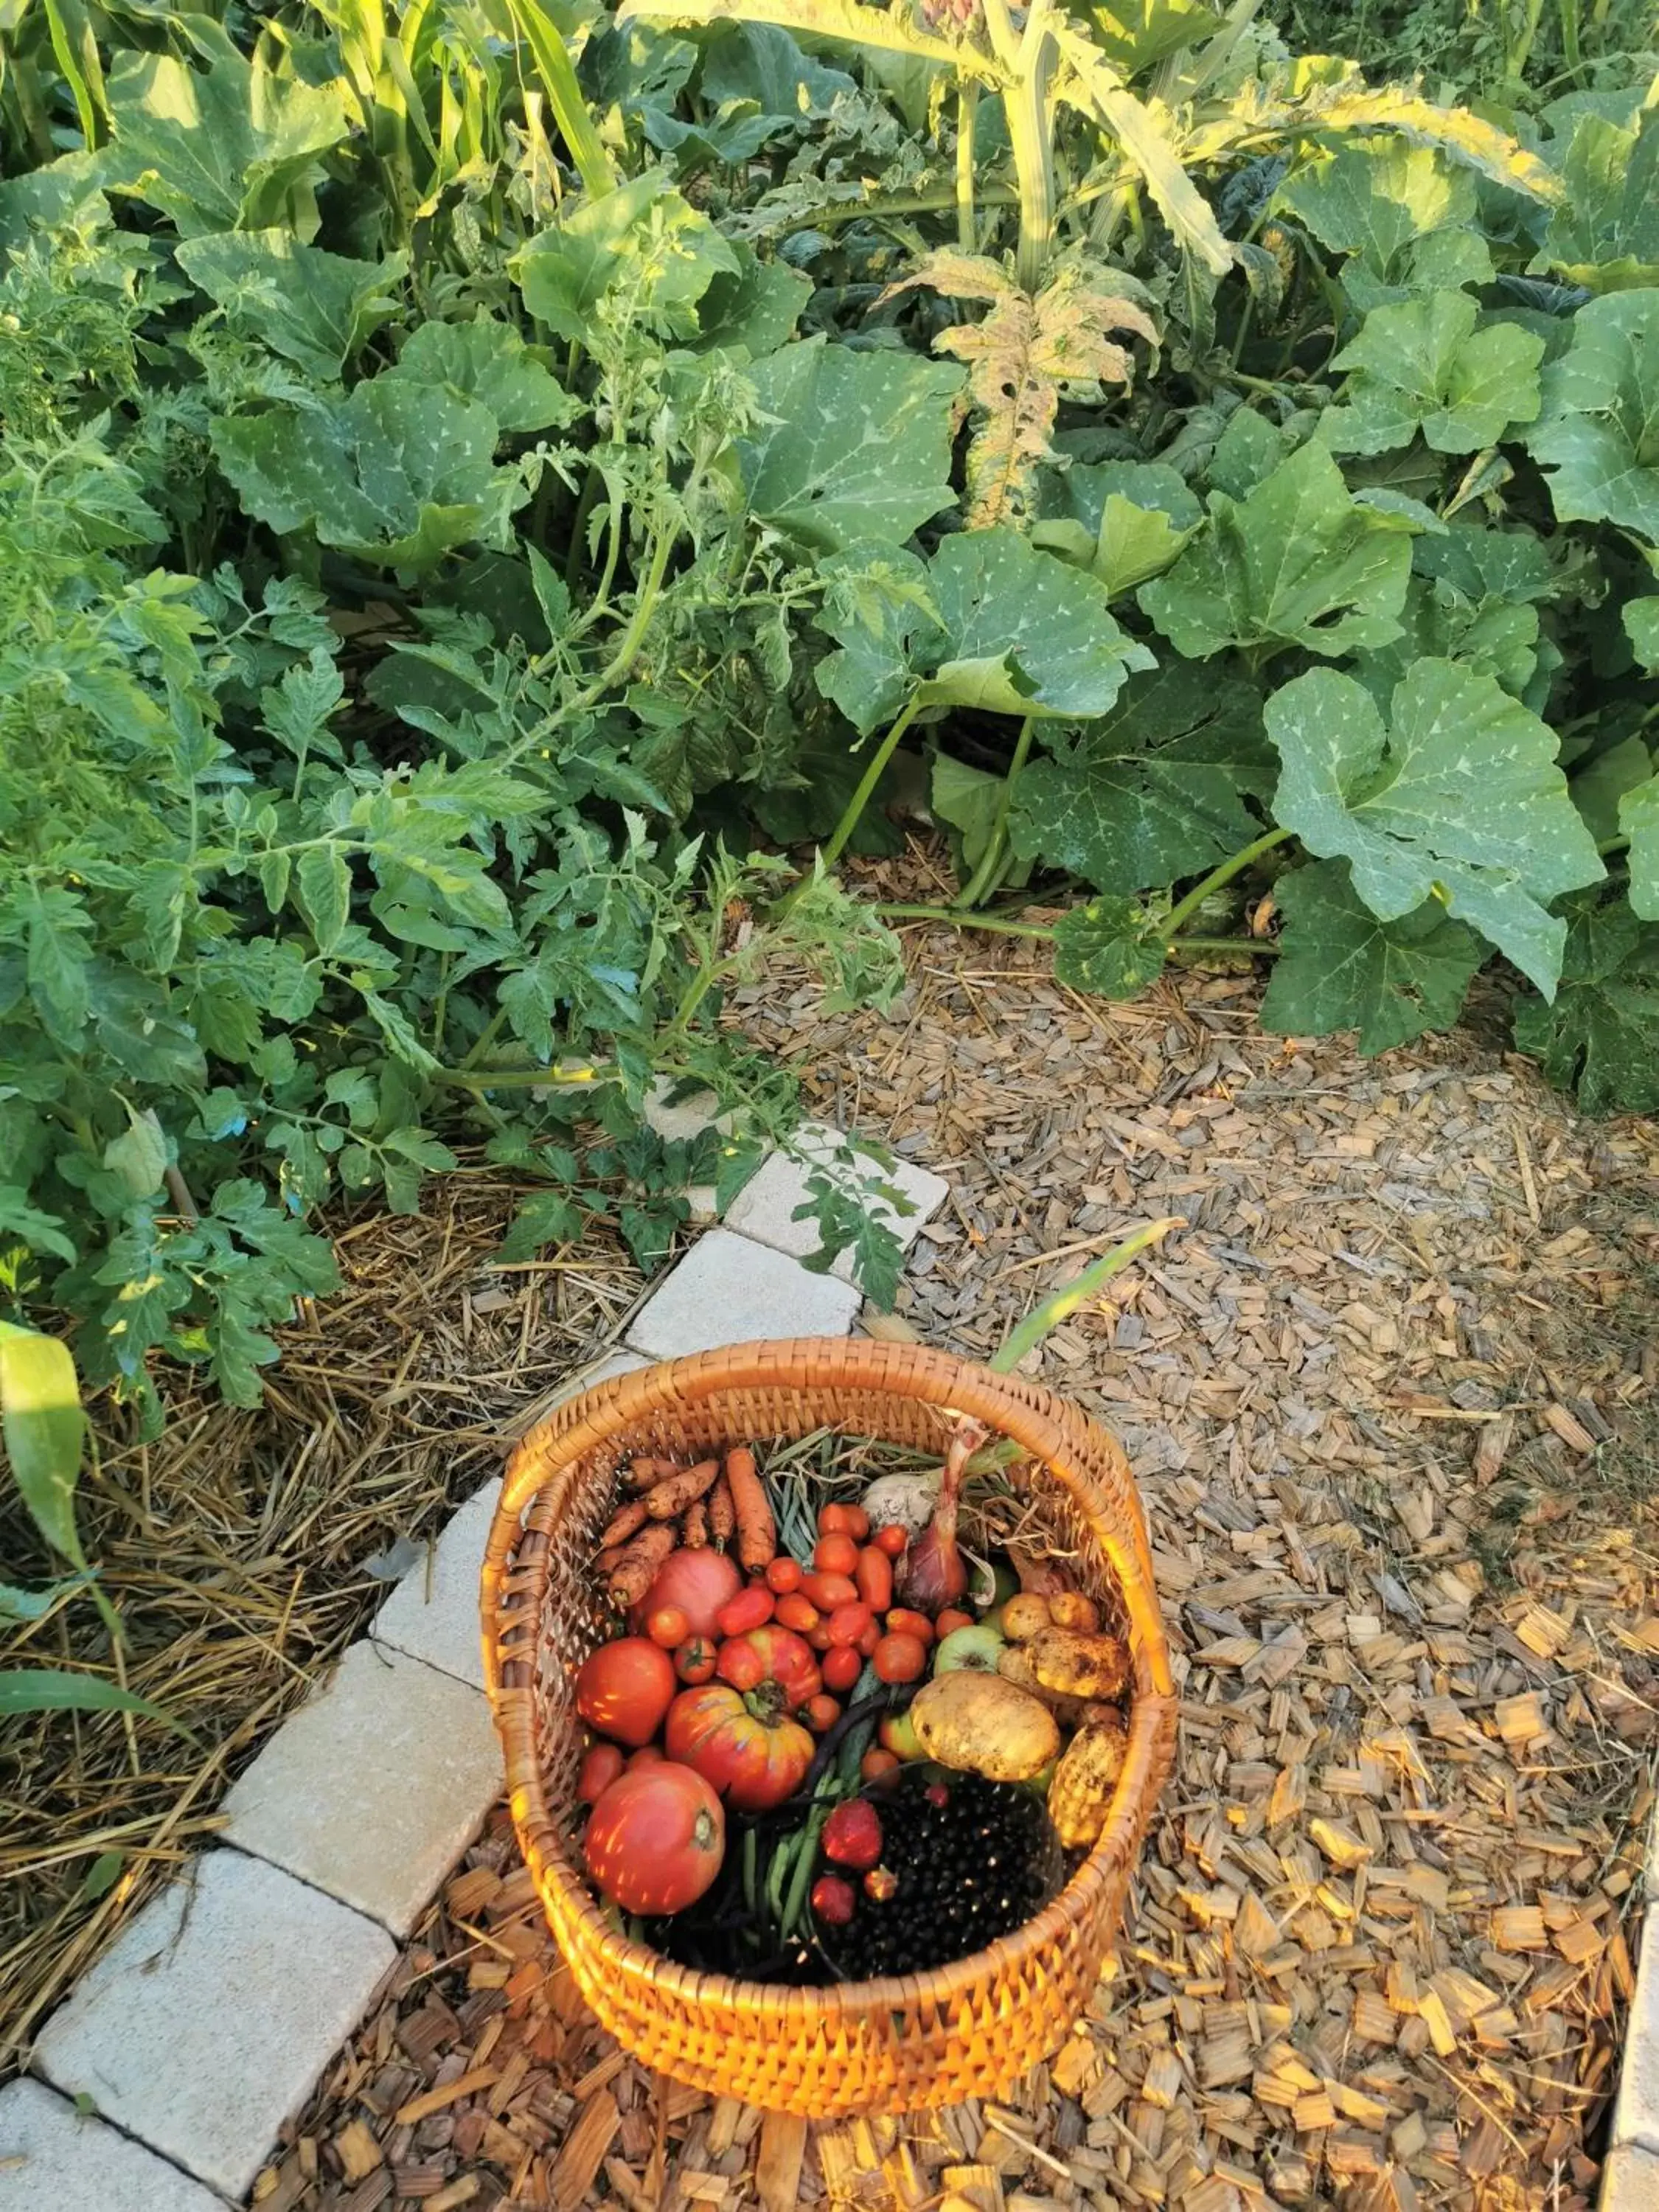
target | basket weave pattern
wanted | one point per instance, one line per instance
(969, 2029)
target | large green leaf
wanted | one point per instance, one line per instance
(231, 147)
(1458, 798)
(1601, 782)
(1423, 366)
(1605, 233)
(1642, 627)
(399, 473)
(1340, 968)
(1598, 435)
(852, 446)
(640, 255)
(989, 622)
(1126, 521)
(1405, 214)
(44, 1430)
(1155, 791)
(754, 312)
(1638, 820)
(316, 309)
(1108, 947)
(486, 360)
(1472, 599)
(1601, 1034)
(1298, 561)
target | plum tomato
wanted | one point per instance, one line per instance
(599, 1769)
(835, 1555)
(842, 1667)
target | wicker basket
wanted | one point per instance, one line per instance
(969, 2029)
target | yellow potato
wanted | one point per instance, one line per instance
(1025, 1616)
(1014, 1665)
(980, 1724)
(1080, 1794)
(1071, 1609)
(1081, 1666)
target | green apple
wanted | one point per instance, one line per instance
(972, 1651)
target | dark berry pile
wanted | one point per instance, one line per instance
(973, 1868)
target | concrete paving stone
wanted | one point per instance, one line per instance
(1630, 2180)
(765, 1208)
(373, 1790)
(1636, 2115)
(52, 2160)
(728, 1290)
(206, 2024)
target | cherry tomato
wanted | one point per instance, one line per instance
(738, 1664)
(750, 1608)
(655, 1840)
(694, 1660)
(835, 1519)
(599, 1771)
(783, 1574)
(835, 1555)
(797, 1612)
(648, 1754)
(842, 1667)
(900, 1658)
(876, 1764)
(818, 1637)
(828, 1591)
(903, 1621)
(874, 1574)
(624, 1688)
(822, 1713)
(848, 1622)
(892, 1539)
(699, 1581)
(668, 1625)
(950, 1619)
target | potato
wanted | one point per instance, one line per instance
(1025, 1616)
(1071, 1609)
(1081, 1666)
(1014, 1665)
(980, 1724)
(1080, 1794)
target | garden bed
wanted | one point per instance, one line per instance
(1388, 1405)
(245, 1550)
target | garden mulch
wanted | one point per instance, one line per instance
(1391, 1398)
(246, 1549)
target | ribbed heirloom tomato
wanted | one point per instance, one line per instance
(655, 1839)
(746, 1741)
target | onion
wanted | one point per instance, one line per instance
(901, 1501)
(936, 1574)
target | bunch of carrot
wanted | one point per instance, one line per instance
(685, 1508)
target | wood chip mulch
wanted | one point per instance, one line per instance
(1391, 1400)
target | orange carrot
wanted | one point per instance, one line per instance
(694, 1526)
(636, 1569)
(682, 1489)
(758, 1534)
(609, 1559)
(627, 1522)
(646, 1473)
(722, 1516)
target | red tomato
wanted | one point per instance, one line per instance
(668, 1627)
(599, 1771)
(648, 1754)
(835, 1555)
(747, 1746)
(694, 1660)
(835, 1520)
(900, 1658)
(842, 1667)
(818, 1637)
(796, 1611)
(655, 1839)
(738, 1662)
(892, 1539)
(874, 1576)
(783, 1574)
(624, 1688)
(903, 1621)
(952, 1618)
(869, 1637)
(876, 1764)
(828, 1591)
(750, 1608)
(699, 1583)
(821, 1713)
(848, 1622)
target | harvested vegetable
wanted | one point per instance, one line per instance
(750, 1608)
(935, 1573)
(646, 1473)
(722, 1514)
(1025, 1616)
(757, 1531)
(1080, 1795)
(783, 1575)
(981, 1725)
(667, 1499)
(655, 1839)
(636, 1572)
(899, 1658)
(623, 1689)
(1081, 1666)
(1015, 1665)
(1071, 1609)
(892, 1539)
(626, 1521)
(668, 1625)
(694, 1660)
(747, 1744)
(852, 1834)
(833, 1901)
(694, 1526)
(950, 1619)
(902, 1501)
(835, 1555)
(701, 1582)
(872, 1573)
(599, 1769)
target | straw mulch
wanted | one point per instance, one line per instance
(245, 1551)
(1391, 1400)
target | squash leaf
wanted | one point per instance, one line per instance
(1341, 968)
(1423, 368)
(1595, 437)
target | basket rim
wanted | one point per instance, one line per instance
(1050, 1428)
